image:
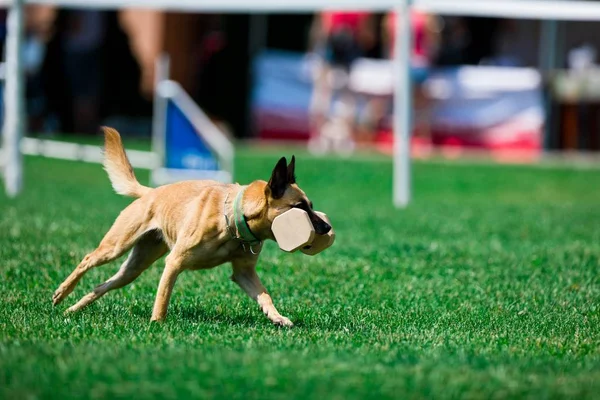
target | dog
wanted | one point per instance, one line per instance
(202, 224)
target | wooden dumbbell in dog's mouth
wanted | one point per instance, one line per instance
(294, 230)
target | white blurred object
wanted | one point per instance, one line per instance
(14, 101)
(34, 51)
(373, 77)
(477, 99)
(312, 66)
(481, 82)
(89, 33)
(337, 79)
(334, 137)
(336, 133)
(582, 58)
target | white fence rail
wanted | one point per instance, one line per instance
(80, 152)
(573, 10)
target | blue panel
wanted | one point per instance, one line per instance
(474, 106)
(282, 80)
(185, 149)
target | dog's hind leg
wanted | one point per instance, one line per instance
(124, 233)
(174, 265)
(147, 250)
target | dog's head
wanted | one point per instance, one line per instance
(279, 195)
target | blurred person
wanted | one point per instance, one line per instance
(426, 32)
(33, 57)
(71, 70)
(82, 51)
(342, 37)
(211, 55)
(454, 38)
(58, 112)
(426, 37)
(581, 57)
(505, 51)
(220, 52)
(120, 74)
(482, 39)
(88, 78)
(477, 41)
(338, 38)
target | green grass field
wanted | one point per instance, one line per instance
(486, 287)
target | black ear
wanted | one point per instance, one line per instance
(279, 181)
(291, 171)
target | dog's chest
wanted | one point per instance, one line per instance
(212, 256)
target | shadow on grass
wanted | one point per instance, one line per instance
(178, 316)
(251, 319)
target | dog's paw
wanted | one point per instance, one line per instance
(74, 308)
(59, 295)
(282, 321)
(157, 320)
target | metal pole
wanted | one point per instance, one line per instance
(547, 44)
(402, 104)
(14, 115)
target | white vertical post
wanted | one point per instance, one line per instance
(14, 116)
(402, 103)
(159, 119)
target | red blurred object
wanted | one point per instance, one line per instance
(336, 21)
(508, 142)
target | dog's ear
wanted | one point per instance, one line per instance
(291, 171)
(279, 180)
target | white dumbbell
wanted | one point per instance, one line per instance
(293, 230)
(320, 242)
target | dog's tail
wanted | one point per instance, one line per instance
(118, 166)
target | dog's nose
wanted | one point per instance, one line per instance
(325, 228)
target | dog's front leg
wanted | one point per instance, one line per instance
(173, 267)
(244, 274)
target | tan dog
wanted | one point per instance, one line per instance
(203, 223)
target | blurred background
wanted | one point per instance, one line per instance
(322, 79)
(487, 286)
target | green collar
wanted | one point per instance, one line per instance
(241, 225)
